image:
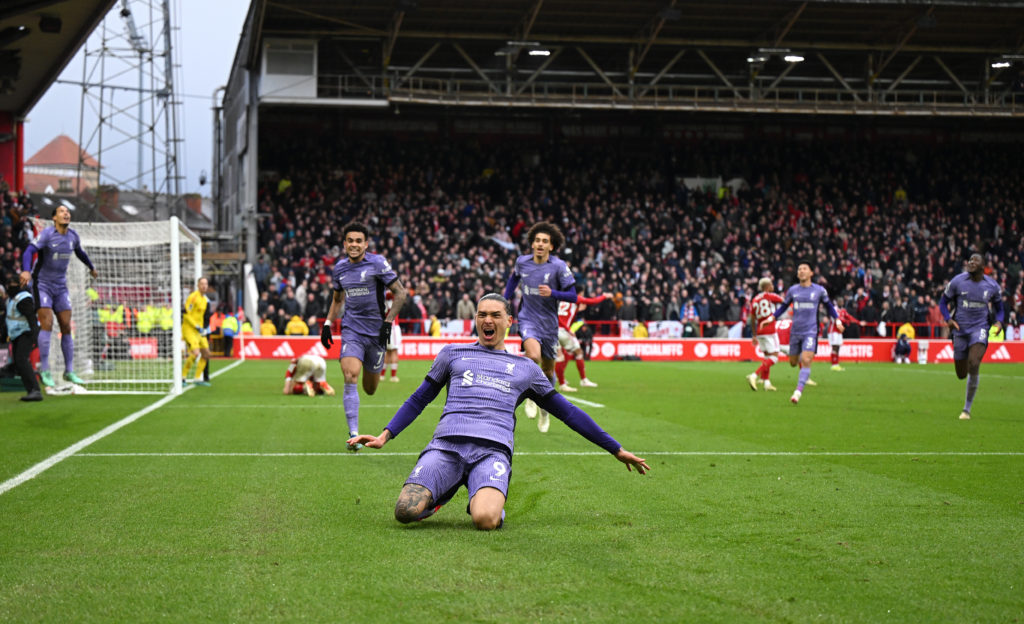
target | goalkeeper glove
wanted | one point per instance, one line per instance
(385, 335)
(325, 336)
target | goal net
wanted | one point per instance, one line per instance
(126, 323)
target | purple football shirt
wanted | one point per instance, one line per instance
(54, 251)
(970, 301)
(805, 301)
(542, 312)
(484, 387)
(364, 283)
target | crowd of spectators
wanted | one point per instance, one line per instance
(885, 225)
(16, 212)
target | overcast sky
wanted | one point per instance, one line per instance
(206, 43)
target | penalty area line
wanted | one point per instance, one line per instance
(56, 458)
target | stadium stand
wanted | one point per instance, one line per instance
(886, 223)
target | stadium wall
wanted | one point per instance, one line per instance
(719, 350)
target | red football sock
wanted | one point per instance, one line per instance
(560, 371)
(835, 358)
(766, 366)
(581, 367)
(394, 371)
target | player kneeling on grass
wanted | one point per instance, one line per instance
(307, 375)
(473, 442)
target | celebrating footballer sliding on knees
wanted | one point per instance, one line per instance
(473, 443)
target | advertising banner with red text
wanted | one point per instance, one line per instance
(653, 349)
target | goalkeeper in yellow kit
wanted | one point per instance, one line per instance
(194, 334)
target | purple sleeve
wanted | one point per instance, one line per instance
(997, 306)
(510, 287)
(414, 406)
(828, 304)
(565, 295)
(387, 274)
(26, 258)
(944, 306)
(82, 255)
(578, 421)
(441, 367)
(786, 301)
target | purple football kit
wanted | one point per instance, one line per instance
(53, 252)
(364, 284)
(803, 333)
(538, 316)
(474, 439)
(967, 302)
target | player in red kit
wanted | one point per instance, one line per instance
(570, 346)
(835, 337)
(307, 375)
(762, 307)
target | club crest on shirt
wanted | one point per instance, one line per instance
(546, 276)
(509, 367)
(362, 275)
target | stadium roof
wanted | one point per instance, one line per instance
(423, 50)
(37, 40)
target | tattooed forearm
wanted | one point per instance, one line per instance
(412, 502)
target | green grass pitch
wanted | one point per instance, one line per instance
(868, 502)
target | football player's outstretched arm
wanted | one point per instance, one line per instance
(580, 422)
(412, 408)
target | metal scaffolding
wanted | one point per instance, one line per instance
(128, 115)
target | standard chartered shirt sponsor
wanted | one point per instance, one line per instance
(486, 380)
(359, 291)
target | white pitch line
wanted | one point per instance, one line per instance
(298, 405)
(372, 453)
(583, 401)
(55, 459)
(950, 373)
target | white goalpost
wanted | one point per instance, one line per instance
(126, 324)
